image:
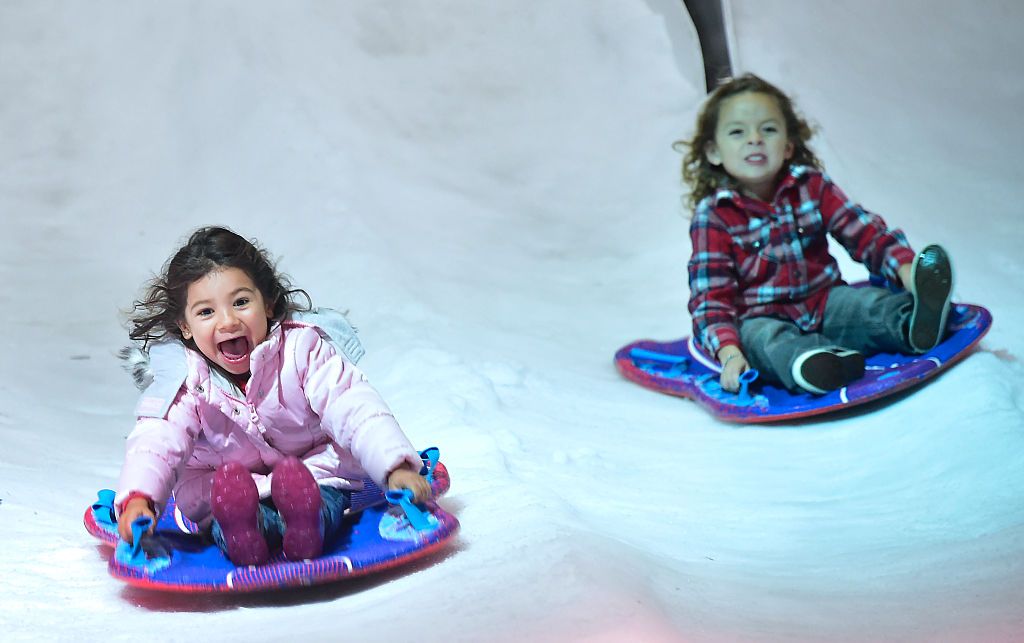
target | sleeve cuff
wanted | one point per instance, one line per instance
(415, 464)
(132, 496)
(900, 256)
(716, 337)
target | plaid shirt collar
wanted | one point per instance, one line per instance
(794, 176)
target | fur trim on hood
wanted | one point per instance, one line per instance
(135, 362)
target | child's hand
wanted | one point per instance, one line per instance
(405, 478)
(136, 508)
(733, 365)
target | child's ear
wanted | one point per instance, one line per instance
(185, 332)
(790, 148)
(711, 153)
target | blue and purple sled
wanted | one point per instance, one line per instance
(385, 530)
(682, 368)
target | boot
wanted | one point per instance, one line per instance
(297, 498)
(235, 503)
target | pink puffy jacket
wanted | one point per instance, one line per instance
(304, 398)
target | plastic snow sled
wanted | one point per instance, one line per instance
(682, 368)
(383, 530)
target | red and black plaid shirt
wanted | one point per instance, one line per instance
(752, 258)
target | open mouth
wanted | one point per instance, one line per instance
(757, 159)
(235, 350)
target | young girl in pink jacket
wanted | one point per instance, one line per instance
(255, 419)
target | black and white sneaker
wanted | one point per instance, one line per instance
(931, 277)
(821, 370)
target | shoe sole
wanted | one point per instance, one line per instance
(821, 372)
(235, 503)
(297, 498)
(932, 276)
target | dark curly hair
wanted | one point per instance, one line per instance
(156, 315)
(703, 177)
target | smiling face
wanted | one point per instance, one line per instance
(226, 317)
(751, 142)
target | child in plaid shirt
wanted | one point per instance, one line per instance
(764, 290)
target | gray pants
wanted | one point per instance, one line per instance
(867, 320)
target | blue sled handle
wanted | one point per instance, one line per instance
(654, 356)
(103, 508)
(746, 377)
(431, 455)
(742, 397)
(136, 555)
(403, 498)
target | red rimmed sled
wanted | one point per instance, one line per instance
(680, 368)
(378, 536)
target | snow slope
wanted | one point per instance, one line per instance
(490, 190)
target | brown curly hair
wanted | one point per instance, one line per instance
(155, 316)
(703, 177)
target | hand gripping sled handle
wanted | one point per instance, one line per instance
(137, 556)
(403, 498)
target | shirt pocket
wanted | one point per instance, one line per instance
(810, 227)
(754, 251)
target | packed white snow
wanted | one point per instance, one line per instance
(490, 190)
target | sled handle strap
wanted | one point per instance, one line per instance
(103, 508)
(430, 457)
(136, 556)
(746, 377)
(655, 363)
(654, 356)
(672, 362)
(403, 498)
